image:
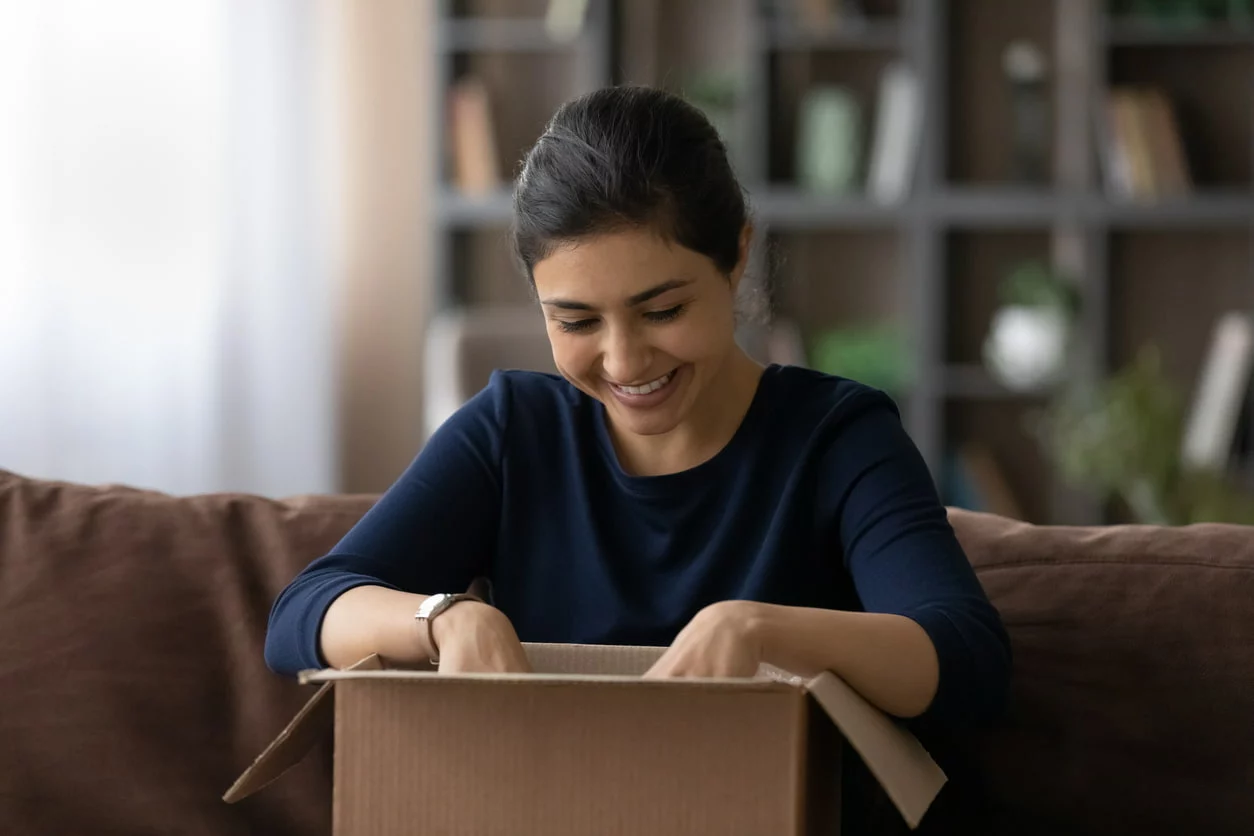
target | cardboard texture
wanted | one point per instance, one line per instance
(295, 741)
(584, 745)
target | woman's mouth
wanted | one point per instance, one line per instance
(651, 386)
(645, 395)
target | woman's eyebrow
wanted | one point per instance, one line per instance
(638, 299)
(566, 304)
(646, 295)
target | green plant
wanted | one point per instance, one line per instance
(1119, 438)
(1184, 12)
(1122, 438)
(1035, 284)
(1214, 497)
(713, 89)
(877, 355)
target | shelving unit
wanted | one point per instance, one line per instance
(930, 263)
(872, 35)
(528, 73)
(1132, 33)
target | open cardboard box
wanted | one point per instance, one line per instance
(584, 745)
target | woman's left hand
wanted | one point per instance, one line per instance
(722, 640)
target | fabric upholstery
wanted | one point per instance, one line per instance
(132, 685)
(1132, 705)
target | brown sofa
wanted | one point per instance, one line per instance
(132, 687)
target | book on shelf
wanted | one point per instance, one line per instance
(1223, 388)
(897, 135)
(472, 139)
(564, 19)
(1141, 145)
(821, 15)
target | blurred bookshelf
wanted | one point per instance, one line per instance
(1140, 185)
(793, 34)
(502, 34)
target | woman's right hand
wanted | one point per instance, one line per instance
(478, 638)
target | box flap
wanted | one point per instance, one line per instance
(315, 719)
(895, 757)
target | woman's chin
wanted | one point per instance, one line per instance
(641, 425)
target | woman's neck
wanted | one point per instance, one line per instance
(705, 431)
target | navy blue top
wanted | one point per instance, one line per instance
(820, 499)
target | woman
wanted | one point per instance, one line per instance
(665, 489)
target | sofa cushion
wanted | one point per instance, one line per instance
(132, 685)
(1132, 705)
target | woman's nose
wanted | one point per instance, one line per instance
(626, 358)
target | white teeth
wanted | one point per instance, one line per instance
(648, 387)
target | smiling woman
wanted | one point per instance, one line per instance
(633, 230)
(661, 357)
(663, 489)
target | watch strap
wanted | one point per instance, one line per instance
(432, 607)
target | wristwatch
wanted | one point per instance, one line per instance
(432, 607)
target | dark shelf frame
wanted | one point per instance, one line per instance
(1076, 212)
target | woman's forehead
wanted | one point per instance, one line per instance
(616, 266)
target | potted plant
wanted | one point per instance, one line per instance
(876, 354)
(1122, 438)
(1028, 341)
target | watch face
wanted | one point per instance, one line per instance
(431, 605)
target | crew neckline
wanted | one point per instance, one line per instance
(667, 482)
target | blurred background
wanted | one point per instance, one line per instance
(260, 245)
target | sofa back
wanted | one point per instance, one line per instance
(132, 685)
(1132, 704)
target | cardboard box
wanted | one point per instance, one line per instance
(585, 746)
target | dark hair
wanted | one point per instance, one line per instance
(622, 158)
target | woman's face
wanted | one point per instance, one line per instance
(641, 324)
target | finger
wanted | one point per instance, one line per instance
(674, 669)
(662, 669)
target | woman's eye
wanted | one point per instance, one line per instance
(666, 315)
(577, 326)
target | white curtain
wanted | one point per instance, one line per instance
(164, 296)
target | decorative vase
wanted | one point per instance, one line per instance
(1026, 346)
(828, 140)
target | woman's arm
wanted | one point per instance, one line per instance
(375, 619)
(469, 636)
(433, 531)
(889, 659)
(908, 566)
(928, 640)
